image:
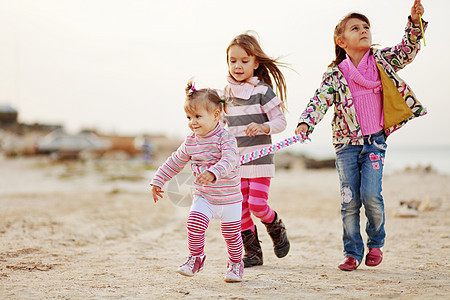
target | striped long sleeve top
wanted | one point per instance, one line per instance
(216, 152)
(254, 101)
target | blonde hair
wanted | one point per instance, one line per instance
(207, 98)
(268, 68)
(339, 31)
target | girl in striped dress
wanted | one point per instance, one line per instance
(213, 154)
(254, 115)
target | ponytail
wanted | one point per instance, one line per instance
(208, 97)
(340, 56)
(190, 89)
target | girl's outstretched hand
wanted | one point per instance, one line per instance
(416, 10)
(302, 128)
(156, 193)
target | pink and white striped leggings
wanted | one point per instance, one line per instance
(255, 192)
(201, 213)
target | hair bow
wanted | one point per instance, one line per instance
(192, 89)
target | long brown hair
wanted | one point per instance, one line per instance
(268, 67)
(339, 31)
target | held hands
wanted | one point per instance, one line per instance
(255, 128)
(416, 10)
(156, 193)
(206, 177)
(303, 127)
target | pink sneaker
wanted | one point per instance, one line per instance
(235, 272)
(193, 264)
(374, 257)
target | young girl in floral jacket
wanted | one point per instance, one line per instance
(370, 102)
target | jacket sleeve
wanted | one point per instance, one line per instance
(229, 160)
(173, 165)
(318, 105)
(404, 53)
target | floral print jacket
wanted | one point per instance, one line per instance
(399, 102)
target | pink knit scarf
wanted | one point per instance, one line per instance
(365, 86)
(242, 90)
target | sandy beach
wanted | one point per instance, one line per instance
(90, 230)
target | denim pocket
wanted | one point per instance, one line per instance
(339, 147)
(381, 146)
(380, 143)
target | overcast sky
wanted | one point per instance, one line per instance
(120, 66)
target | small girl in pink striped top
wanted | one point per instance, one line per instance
(214, 158)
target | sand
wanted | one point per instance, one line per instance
(91, 231)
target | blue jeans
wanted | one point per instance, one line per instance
(360, 171)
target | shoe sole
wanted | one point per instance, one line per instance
(249, 265)
(347, 269)
(372, 264)
(232, 280)
(282, 252)
(187, 274)
(251, 262)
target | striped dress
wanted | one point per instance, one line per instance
(253, 101)
(216, 152)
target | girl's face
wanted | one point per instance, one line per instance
(240, 65)
(356, 37)
(201, 121)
